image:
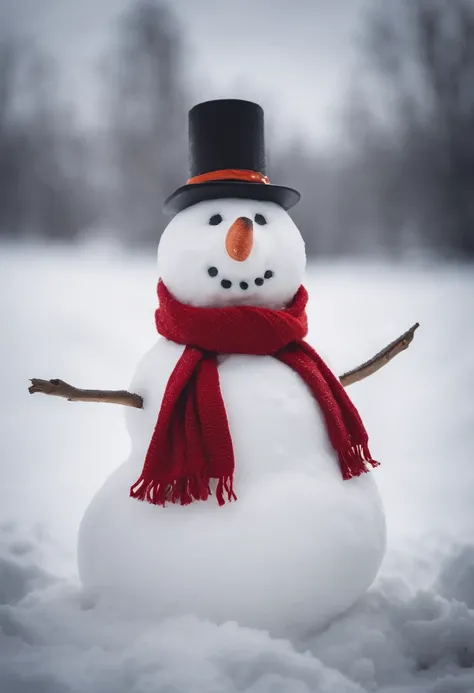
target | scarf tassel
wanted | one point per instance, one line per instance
(225, 484)
(355, 461)
(184, 490)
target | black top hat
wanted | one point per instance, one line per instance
(227, 157)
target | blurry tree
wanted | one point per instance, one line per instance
(148, 114)
(44, 187)
(421, 147)
(311, 173)
(8, 146)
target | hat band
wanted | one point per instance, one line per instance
(230, 174)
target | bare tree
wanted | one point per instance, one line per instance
(422, 55)
(9, 163)
(44, 189)
(148, 118)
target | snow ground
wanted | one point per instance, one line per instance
(85, 315)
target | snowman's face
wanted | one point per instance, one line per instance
(232, 252)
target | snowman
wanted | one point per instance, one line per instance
(247, 495)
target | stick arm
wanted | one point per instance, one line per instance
(58, 388)
(380, 359)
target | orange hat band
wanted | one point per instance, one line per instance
(230, 174)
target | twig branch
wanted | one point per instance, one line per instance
(59, 388)
(380, 359)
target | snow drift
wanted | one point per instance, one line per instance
(86, 316)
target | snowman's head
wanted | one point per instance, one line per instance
(232, 252)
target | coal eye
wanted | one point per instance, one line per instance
(260, 219)
(215, 219)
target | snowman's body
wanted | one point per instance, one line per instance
(300, 544)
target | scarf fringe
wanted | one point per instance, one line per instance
(182, 491)
(225, 484)
(356, 461)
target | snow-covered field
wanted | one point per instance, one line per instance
(86, 315)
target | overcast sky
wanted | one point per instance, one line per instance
(294, 56)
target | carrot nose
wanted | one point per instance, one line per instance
(239, 239)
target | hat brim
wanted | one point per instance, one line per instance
(193, 193)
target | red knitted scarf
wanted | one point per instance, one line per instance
(191, 443)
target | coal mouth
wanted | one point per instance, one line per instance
(244, 284)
